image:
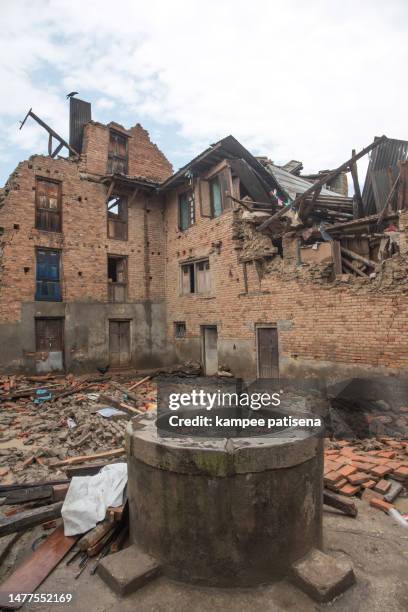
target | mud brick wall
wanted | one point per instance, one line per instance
(324, 328)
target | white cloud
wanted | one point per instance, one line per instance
(289, 79)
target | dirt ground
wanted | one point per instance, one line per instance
(376, 545)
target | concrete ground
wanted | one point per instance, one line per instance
(376, 545)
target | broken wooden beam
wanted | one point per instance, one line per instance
(357, 257)
(30, 518)
(138, 384)
(82, 458)
(320, 183)
(352, 267)
(356, 184)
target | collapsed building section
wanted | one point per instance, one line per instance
(109, 259)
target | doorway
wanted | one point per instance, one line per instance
(267, 352)
(49, 345)
(119, 343)
(210, 349)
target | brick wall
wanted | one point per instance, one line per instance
(145, 158)
(83, 241)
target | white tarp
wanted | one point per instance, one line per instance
(89, 497)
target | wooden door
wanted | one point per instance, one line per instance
(210, 350)
(268, 352)
(49, 339)
(119, 343)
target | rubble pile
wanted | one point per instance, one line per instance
(39, 423)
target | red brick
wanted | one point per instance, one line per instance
(347, 470)
(358, 478)
(380, 504)
(332, 477)
(382, 486)
(349, 490)
(381, 470)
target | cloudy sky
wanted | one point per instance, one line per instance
(293, 79)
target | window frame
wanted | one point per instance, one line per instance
(191, 213)
(50, 212)
(116, 219)
(195, 264)
(37, 296)
(180, 326)
(114, 156)
(211, 181)
(124, 284)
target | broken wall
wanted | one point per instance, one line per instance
(145, 160)
(340, 327)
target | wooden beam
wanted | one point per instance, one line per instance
(30, 518)
(50, 131)
(357, 257)
(389, 200)
(83, 458)
(321, 182)
(57, 150)
(357, 191)
(21, 496)
(110, 189)
(349, 265)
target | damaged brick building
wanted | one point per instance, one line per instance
(107, 257)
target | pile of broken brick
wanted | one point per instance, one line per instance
(376, 470)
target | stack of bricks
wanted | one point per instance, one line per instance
(350, 470)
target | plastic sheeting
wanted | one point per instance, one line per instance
(89, 497)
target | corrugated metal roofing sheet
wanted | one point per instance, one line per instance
(294, 185)
(377, 184)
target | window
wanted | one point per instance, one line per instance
(118, 153)
(186, 210)
(180, 329)
(48, 285)
(215, 197)
(118, 217)
(195, 277)
(47, 205)
(117, 278)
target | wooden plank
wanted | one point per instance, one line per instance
(81, 459)
(34, 570)
(106, 539)
(89, 469)
(21, 496)
(30, 518)
(120, 539)
(138, 384)
(27, 485)
(93, 536)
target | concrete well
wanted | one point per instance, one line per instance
(224, 512)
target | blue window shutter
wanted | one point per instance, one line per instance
(48, 276)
